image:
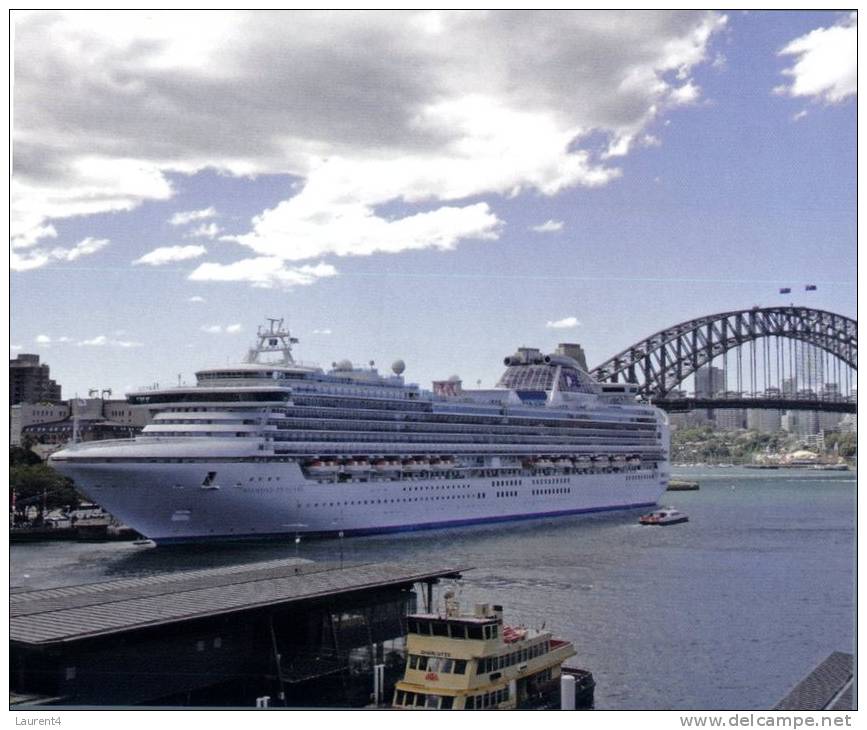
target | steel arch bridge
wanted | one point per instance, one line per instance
(661, 362)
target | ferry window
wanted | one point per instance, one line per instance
(447, 665)
(460, 666)
(458, 631)
(410, 698)
(440, 628)
(398, 698)
(446, 703)
(411, 626)
(433, 701)
(413, 661)
(470, 703)
(494, 631)
(480, 666)
(419, 700)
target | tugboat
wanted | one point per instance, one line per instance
(458, 661)
(665, 516)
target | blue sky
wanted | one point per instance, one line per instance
(379, 179)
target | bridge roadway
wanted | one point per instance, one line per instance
(681, 405)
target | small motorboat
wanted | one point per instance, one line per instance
(665, 516)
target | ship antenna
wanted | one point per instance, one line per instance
(273, 339)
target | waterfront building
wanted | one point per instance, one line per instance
(95, 418)
(30, 381)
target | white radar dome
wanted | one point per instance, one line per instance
(398, 366)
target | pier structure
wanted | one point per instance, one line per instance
(278, 633)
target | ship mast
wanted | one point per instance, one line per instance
(273, 338)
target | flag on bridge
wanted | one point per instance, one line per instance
(810, 287)
(786, 290)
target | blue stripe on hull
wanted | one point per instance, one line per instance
(397, 528)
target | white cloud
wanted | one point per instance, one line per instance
(799, 115)
(43, 340)
(64, 339)
(35, 258)
(103, 341)
(264, 272)
(411, 117)
(562, 324)
(205, 230)
(549, 226)
(825, 63)
(15, 348)
(169, 254)
(188, 216)
(196, 299)
(217, 329)
(325, 331)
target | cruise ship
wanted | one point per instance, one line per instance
(274, 447)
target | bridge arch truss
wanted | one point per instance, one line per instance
(661, 362)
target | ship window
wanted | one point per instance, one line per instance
(432, 701)
(419, 700)
(474, 632)
(446, 703)
(398, 698)
(460, 666)
(440, 628)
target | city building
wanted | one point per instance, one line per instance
(93, 419)
(30, 381)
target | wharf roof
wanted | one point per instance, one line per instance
(72, 613)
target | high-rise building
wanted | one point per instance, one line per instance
(709, 381)
(30, 382)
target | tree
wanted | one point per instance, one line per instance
(22, 456)
(38, 485)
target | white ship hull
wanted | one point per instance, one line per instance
(167, 502)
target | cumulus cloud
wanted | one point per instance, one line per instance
(43, 340)
(562, 324)
(325, 331)
(182, 218)
(34, 258)
(825, 63)
(549, 226)
(103, 341)
(265, 272)
(206, 230)
(169, 254)
(196, 299)
(15, 348)
(412, 122)
(218, 329)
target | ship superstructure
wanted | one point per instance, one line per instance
(273, 446)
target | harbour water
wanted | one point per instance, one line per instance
(727, 611)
